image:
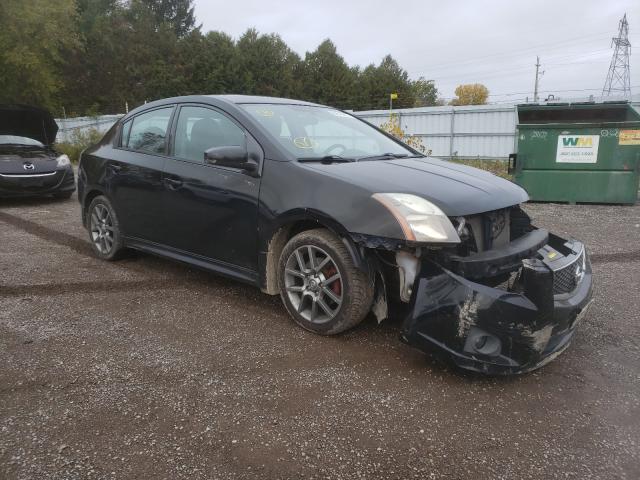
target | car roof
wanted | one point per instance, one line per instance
(224, 99)
(239, 99)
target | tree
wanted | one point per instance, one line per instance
(177, 14)
(393, 127)
(424, 92)
(127, 58)
(96, 56)
(204, 64)
(326, 77)
(471, 94)
(34, 37)
(375, 84)
(267, 66)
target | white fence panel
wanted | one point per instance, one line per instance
(484, 131)
(69, 128)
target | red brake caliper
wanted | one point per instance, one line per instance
(336, 286)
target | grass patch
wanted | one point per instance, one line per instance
(79, 141)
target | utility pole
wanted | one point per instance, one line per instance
(535, 88)
(618, 78)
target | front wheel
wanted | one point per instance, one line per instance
(104, 229)
(319, 284)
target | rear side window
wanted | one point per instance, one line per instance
(148, 133)
(200, 129)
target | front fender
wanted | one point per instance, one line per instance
(273, 239)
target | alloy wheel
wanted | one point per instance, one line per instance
(313, 283)
(102, 229)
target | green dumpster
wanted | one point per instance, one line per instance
(579, 152)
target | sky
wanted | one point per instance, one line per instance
(494, 42)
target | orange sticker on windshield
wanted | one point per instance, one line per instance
(304, 142)
(264, 113)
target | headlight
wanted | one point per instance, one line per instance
(63, 161)
(421, 220)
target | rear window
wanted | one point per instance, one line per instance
(148, 132)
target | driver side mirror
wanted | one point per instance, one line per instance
(234, 156)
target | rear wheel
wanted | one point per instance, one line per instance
(104, 229)
(319, 284)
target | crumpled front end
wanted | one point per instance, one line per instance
(506, 310)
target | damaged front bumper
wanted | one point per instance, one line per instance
(511, 328)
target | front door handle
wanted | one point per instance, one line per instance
(115, 167)
(173, 183)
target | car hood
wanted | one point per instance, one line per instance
(456, 189)
(27, 121)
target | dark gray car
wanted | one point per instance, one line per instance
(29, 164)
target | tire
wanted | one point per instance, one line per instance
(101, 209)
(63, 195)
(302, 287)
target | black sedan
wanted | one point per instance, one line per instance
(29, 165)
(339, 219)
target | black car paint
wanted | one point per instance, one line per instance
(43, 176)
(231, 221)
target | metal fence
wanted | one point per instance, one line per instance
(484, 131)
(69, 129)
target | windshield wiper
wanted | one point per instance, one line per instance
(387, 156)
(327, 159)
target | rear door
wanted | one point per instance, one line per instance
(134, 174)
(210, 211)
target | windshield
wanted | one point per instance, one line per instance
(316, 132)
(16, 140)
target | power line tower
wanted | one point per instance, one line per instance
(618, 79)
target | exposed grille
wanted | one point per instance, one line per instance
(567, 279)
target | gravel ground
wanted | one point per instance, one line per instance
(149, 369)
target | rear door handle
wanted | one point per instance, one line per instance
(173, 183)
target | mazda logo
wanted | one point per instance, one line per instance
(28, 166)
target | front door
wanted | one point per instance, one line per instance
(210, 211)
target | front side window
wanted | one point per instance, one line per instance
(310, 132)
(148, 132)
(199, 129)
